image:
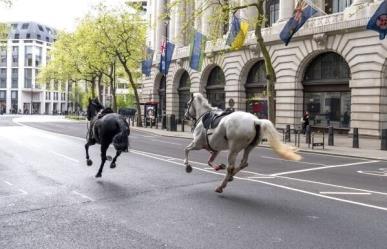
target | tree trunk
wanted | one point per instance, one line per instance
(127, 70)
(99, 86)
(270, 73)
(92, 87)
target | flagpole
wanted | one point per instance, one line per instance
(315, 7)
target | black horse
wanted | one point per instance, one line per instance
(106, 127)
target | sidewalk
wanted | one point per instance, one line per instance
(369, 147)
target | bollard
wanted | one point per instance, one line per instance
(297, 135)
(287, 136)
(307, 133)
(355, 136)
(163, 122)
(151, 122)
(330, 136)
(182, 125)
(384, 140)
(145, 124)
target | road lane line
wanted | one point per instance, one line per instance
(301, 162)
(261, 177)
(10, 184)
(23, 191)
(282, 187)
(331, 185)
(321, 168)
(83, 196)
(165, 142)
(345, 193)
(64, 156)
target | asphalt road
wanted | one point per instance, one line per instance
(49, 198)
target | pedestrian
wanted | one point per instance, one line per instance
(305, 122)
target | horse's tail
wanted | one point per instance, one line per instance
(273, 137)
(121, 140)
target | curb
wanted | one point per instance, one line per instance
(267, 146)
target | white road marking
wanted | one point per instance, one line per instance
(332, 185)
(10, 184)
(301, 162)
(261, 177)
(373, 173)
(83, 196)
(345, 193)
(325, 167)
(283, 187)
(165, 142)
(23, 191)
(64, 156)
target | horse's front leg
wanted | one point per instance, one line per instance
(104, 148)
(230, 170)
(113, 163)
(89, 162)
(213, 155)
(192, 146)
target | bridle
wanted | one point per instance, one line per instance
(194, 120)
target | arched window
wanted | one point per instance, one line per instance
(184, 93)
(327, 96)
(256, 90)
(215, 88)
(334, 6)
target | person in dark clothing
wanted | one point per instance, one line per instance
(305, 122)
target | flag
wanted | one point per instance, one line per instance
(146, 65)
(166, 51)
(301, 14)
(197, 51)
(238, 32)
(378, 21)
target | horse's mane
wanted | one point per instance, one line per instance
(203, 101)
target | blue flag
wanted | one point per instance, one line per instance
(378, 21)
(197, 51)
(146, 65)
(301, 14)
(166, 56)
(238, 32)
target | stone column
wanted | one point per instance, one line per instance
(286, 10)
(206, 19)
(198, 20)
(159, 10)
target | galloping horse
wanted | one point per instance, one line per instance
(105, 128)
(235, 132)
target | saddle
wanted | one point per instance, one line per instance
(211, 120)
(104, 112)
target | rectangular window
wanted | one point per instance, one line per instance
(15, 78)
(272, 12)
(56, 85)
(28, 56)
(38, 56)
(62, 96)
(13, 94)
(17, 36)
(2, 95)
(25, 26)
(335, 6)
(15, 56)
(27, 77)
(40, 28)
(3, 78)
(3, 56)
(28, 36)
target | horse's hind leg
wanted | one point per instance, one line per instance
(230, 171)
(113, 163)
(245, 157)
(104, 148)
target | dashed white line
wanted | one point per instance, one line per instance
(325, 167)
(64, 156)
(345, 193)
(83, 196)
(10, 184)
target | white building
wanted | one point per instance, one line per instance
(333, 67)
(21, 57)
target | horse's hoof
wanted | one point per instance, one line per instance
(220, 167)
(231, 178)
(219, 190)
(98, 175)
(89, 162)
(109, 158)
(113, 165)
(188, 168)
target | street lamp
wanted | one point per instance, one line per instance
(163, 117)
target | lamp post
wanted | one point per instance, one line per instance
(164, 121)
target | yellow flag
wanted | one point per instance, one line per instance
(240, 38)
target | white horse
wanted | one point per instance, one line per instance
(235, 132)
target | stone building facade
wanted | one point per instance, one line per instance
(333, 68)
